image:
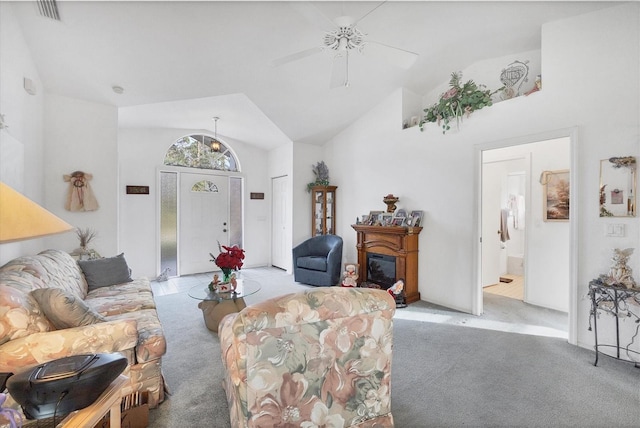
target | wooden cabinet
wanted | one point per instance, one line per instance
(395, 241)
(323, 210)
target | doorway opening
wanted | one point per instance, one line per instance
(200, 204)
(198, 210)
(525, 259)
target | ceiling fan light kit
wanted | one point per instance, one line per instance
(345, 37)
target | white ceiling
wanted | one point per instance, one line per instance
(181, 63)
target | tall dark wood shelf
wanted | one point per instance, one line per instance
(323, 210)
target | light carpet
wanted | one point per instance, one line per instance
(444, 374)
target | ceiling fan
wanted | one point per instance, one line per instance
(343, 39)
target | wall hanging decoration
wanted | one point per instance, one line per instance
(137, 190)
(556, 195)
(461, 100)
(80, 196)
(513, 77)
(618, 187)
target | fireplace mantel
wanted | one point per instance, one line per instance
(400, 242)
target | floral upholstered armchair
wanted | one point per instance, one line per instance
(321, 357)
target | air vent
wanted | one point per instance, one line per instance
(49, 9)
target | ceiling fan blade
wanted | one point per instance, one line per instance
(295, 56)
(368, 13)
(340, 71)
(399, 57)
(312, 14)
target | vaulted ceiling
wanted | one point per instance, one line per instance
(182, 63)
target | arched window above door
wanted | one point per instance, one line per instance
(201, 151)
(205, 186)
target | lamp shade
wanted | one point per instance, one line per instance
(21, 218)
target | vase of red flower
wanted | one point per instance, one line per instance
(229, 260)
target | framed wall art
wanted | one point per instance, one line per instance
(555, 196)
(618, 187)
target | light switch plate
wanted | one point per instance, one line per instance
(614, 230)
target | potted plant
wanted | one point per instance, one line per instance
(85, 236)
(460, 100)
(321, 171)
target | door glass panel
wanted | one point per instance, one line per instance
(235, 209)
(169, 223)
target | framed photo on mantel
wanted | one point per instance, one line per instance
(415, 219)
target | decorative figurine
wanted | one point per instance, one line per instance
(390, 200)
(164, 276)
(234, 282)
(350, 276)
(619, 272)
(213, 285)
(398, 293)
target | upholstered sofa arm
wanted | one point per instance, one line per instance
(38, 348)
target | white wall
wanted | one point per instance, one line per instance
(581, 64)
(81, 135)
(306, 156)
(141, 152)
(59, 135)
(589, 81)
(23, 114)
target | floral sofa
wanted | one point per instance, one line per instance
(321, 357)
(48, 311)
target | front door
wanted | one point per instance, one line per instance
(204, 220)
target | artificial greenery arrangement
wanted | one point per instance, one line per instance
(321, 171)
(461, 100)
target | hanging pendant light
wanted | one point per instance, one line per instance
(215, 144)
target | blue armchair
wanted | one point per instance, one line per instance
(318, 261)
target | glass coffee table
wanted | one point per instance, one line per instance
(216, 305)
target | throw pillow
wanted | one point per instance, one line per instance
(65, 310)
(105, 272)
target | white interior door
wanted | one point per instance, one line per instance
(280, 257)
(491, 247)
(204, 220)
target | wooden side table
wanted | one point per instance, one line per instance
(108, 402)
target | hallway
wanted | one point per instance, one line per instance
(513, 287)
